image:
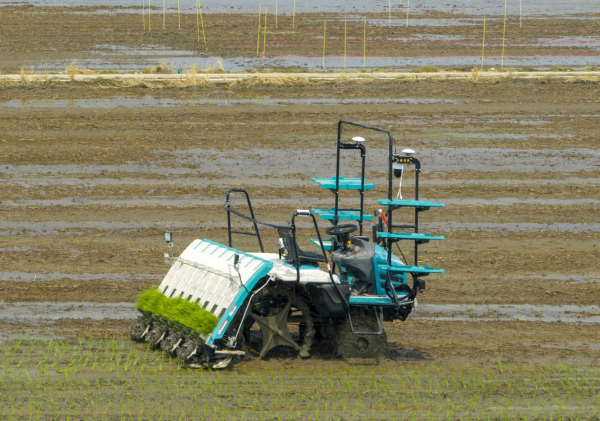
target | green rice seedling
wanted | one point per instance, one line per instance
(178, 310)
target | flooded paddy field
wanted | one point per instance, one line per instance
(91, 175)
(49, 35)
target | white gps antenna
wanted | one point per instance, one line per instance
(399, 171)
(358, 139)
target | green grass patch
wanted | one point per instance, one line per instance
(426, 69)
(178, 310)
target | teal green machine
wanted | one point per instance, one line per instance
(337, 298)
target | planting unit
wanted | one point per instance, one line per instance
(218, 304)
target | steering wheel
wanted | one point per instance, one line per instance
(342, 229)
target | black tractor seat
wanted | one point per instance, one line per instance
(295, 254)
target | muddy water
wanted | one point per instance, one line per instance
(49, 312)
(439, 159)
(150, 101)
(573, 279)
(572, 314)
(196, 201)
(53, 276)
(65, 228)
(276, 162)
(528, 9)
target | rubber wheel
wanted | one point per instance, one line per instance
(139, 328)
(153, 337)
(170, 340)
(266, 330)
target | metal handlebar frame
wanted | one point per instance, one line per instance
(227, 207)
(291, 228)
(388, 242)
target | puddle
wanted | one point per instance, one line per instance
(29, 228)
(49, 312)
(574, 181)
(198, 201)
(570, 345)
(273, 166)
(511, 136)
(180, 202)
(529, 9)
(440, 159)
(136, 63)
(144, 50)
(405, 63)
(511, 201)
(33, 229)
(20, 249)
(571, 314)
(591, 42)
(53, 276)
(33, 332)
(150, 101)
(28, 182)
(512, 227)
(572, 278)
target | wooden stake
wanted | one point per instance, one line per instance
(345, 30)
(265, 34)
(178, 16)
(324, 31)
(503, 36)
(389, 13)
(521, 14)
(276, 25)
(149, 17)
(197, 22)
(258, 38)
(164, 13)
(365, 45)
(199, 8)
(294, 16)
(407, 11)
(483, 44)
(144, 13)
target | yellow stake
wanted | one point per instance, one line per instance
(324, 30)
(258, 38)
(149, 17)
(483, 45)
(294, 16)
(265, 34)
(201, 21)
(164, 13)
(197, 22)
(276, 14)
(365, 46)
(144, 13)
(178, 16)
(345, 26)
(503, 36)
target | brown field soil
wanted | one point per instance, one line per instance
(47, 37)
(87, 191)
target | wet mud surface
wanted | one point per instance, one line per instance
(100, 36)
(86, 192)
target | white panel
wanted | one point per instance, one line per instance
(205, 271)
